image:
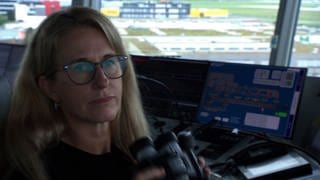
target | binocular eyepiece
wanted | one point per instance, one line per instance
(173, 153)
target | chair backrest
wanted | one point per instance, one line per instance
(10, 58)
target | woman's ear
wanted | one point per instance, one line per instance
(47, 88)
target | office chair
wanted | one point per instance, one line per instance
(10, 58)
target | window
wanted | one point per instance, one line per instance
(18, 18)
(306, 49)
(197, 29)
(217, 30)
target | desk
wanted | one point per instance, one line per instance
(235, 173)
(303, 172)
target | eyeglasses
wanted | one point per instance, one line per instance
(83, 72)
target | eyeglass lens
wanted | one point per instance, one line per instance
(84, 71)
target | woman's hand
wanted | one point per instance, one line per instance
(150, 174)
(159, 172)
(204, 166)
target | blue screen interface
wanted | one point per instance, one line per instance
(252, 98)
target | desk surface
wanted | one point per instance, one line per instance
(293, 164)
(235, 173)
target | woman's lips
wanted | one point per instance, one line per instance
(102, 100)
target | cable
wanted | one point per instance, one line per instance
(221, 169)
(175, 111)
(172, 99)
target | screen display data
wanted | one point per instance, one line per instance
(252, 98)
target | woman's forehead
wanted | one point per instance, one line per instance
(84, 42)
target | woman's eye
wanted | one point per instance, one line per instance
(108, 63)
(80, 67)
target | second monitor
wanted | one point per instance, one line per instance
(252, 98)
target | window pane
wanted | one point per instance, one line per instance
(19, 18)
(306, 50)
(221, 30)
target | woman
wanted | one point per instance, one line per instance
(75, 107)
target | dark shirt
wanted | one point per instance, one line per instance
(63, 162)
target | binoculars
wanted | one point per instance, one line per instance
(172, 152)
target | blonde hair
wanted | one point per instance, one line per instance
(33, 122)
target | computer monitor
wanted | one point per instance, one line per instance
(171, 86)
(252, 98)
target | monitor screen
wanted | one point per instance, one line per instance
(252, 98)
(171, 87)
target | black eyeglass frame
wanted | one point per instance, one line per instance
(122, 59)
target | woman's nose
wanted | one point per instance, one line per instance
(101, 79)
